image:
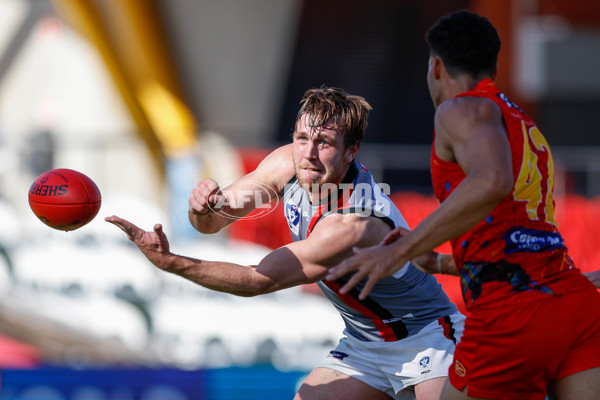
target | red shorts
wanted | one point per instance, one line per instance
(516, 351)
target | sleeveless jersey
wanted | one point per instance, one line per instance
(399, 305)
(517, 248)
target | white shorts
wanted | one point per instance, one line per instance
(392, 367)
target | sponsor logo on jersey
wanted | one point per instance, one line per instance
(459, 369)
(337, 354)
(531, 240)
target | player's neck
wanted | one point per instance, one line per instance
(460, 84)
(316, 196)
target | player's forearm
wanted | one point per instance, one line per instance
(209, 222)
(469, 204)
(224, 277)
(437, 263)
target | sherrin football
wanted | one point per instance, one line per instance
(64, 199)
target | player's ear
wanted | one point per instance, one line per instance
(437, 66)
(351, 152)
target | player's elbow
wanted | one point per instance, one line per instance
(259, 288)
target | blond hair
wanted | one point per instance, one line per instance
(350, 112)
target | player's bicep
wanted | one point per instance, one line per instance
(332, 240)
(260, 186)
(275, 170)
(486, 149)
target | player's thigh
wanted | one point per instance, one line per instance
(584, 385)
(327, 384)
(451, 393)
(430, 389)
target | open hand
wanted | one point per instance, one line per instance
(372, 263)
(154, 245)
(393, 235)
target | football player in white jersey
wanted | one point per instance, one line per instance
(398, 342)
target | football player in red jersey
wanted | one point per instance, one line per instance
(534, 320)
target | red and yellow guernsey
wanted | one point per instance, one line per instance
(516, 253)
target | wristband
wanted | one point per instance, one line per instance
(439, 262)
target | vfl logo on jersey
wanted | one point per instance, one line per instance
(292, 214)
(425, 365)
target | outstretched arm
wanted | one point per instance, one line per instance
(211, 207)
(470, 132)
(298, 263)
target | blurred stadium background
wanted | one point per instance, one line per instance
(149, 96)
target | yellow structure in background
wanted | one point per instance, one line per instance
(171, 120)
(129, 36)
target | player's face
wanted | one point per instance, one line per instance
(319, 154)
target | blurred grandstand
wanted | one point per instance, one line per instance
(87, 299)
(148, 97)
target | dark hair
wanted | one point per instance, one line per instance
(466, 42)
(350, 112)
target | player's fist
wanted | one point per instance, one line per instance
(206, 197)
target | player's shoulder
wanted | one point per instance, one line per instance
(460, 116)
(467, 109)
